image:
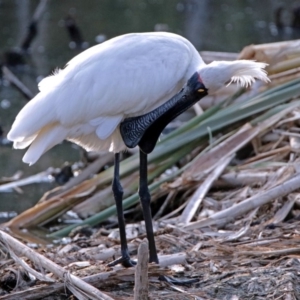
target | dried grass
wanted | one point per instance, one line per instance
(231, 204)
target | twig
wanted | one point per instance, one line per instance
(174, 212)
(95, 253)
(247, 177)
(141, 273)
(17, 83)
(38, 13)
(81, 286)
(32, 28)
(196, 199)
(169, 198)
(172, 259)
(236, 235)
(40, 177)
(281, 252)
(181, 290)
(282, 213)
(249, 204)
(30, 270)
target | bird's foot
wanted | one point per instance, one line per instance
(124, 261)
(153, 258)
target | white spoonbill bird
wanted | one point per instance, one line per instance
(116, 95)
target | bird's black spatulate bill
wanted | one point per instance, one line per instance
(145, 130)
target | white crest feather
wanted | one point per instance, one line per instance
(244, 72)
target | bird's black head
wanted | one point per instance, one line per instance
(196, 85)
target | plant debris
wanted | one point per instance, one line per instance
(225, 199)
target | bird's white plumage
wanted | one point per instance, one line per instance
(242, 72)
(126, 76)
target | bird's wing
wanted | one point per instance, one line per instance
(129, 76)
(106, 125)
(126, 76)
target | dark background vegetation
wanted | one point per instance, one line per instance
(209, 24)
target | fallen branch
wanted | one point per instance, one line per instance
(37, 178)
(114, 277)
(106, 278)
(196, 199)
(281, 252)
(82, 288)
(253, 202)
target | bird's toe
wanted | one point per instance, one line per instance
(124, 261)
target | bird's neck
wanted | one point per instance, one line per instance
(145, 130)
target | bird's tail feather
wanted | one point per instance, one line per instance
(48, 137)
(31, 119)
(25, 142)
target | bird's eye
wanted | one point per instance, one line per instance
(201, 90)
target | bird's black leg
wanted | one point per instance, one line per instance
(145, 199)
(118, 194)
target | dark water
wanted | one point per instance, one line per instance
(208, 24)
